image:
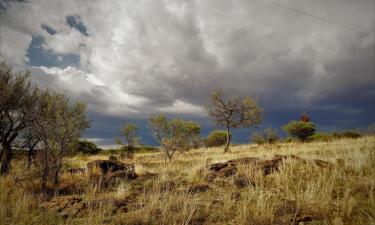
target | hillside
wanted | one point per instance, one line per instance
(312, 183)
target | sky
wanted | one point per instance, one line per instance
(134, 58)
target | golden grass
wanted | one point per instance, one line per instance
(343, 194)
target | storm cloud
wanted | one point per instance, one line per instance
(130, 59)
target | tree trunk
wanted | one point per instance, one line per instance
(56, 177)
(29, 158)
(57, 173)
(228, 141)
(45, 169)
(5, 162)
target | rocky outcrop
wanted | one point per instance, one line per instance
(265, 166)
(104, 167)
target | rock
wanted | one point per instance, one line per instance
(241, 181)
(106, 166)
(266, 167)
(323, 164)
(122, 174)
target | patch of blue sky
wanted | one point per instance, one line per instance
(38, 56)
(74, 22)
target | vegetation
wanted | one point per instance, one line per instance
(268, 136)
(174, 134)
(350, 134)
(300, 129)
(59, 125)
(216, 138)
(233, 112)
(18, 103)
(326, 137)
(132, 139)
(179, 193)
(86, 147)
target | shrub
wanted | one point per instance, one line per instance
(258, 138)
(350, 134)
(268, 136)
(216, 138)
(86, 147)
(287, 140)
(300, 129)
(321, 137)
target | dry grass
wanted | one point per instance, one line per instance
(180, 194)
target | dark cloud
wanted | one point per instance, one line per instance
(130, 60)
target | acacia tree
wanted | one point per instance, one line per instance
(30, 140)
(129, 130)
(175, 134)
(59, 124)
(18, 98)
(233, 112)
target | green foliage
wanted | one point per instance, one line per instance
(216, 138)
(59, 124)
(174, 134)
(326, 137)
(287, 139)
(86, 147)
(268, 136)
(129, 131)
(300, 129)
(18, 100)
(258, 138)
(350, 134)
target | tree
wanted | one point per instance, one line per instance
(30, 141)
(175, 134)
(18, 98)
(216, 138)
(59, 124)
(300, 129)
(86, 147)
(268, 136)
(233, 112)
(129, 131)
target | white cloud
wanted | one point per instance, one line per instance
(151, 56)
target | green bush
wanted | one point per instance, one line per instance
(350, 134)
(268, 136)
(321, 137)
(216, 138)
(287, 140)
(86, 147)
(300, 129)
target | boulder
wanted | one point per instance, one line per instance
(106, 166)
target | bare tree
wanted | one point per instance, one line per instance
(18, 98)
(233, 112)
